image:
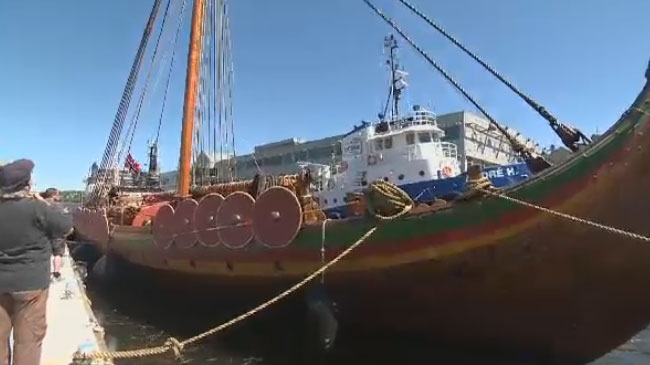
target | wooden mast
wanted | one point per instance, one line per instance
(191, 82)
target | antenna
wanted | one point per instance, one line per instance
(398, 75)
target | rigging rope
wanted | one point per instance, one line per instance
(171, 68)
(566, 133)
(214, 134)
(136, 116)
(125, 100)
(212, 109)
(202, 116)
(209, 82)
(217, 89)
(230, 77)
(536, 162)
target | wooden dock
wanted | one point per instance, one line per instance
(71, 322)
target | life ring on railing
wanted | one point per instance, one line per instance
(447, 171)
(344, 166)
(331, 184)
(372, 160)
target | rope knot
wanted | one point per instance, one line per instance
(477, 183)
(174, 345)
(482, 183)
(386, 201)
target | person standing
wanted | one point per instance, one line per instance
(53, 197)
(28, 226)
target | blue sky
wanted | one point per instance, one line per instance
(307, 68)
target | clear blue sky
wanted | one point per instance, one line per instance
(309, 69)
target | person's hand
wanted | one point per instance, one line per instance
(38, 196)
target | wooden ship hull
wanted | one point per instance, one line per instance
(484, 271)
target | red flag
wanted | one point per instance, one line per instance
(131, 164)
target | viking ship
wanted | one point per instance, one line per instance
(523, 268)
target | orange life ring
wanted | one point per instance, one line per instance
(446, 171)
(372, 160)
(344, 166)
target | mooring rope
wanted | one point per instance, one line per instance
(389, 193)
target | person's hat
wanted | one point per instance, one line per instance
(16, 175)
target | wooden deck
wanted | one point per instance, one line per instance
(71, 321)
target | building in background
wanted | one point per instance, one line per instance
(271, 158)
(281, 157)
(477, 141)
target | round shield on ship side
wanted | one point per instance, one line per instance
(277, 217)
(205, 219)
(145, 215)
(234, 220)
(162, 227)
(183, 227)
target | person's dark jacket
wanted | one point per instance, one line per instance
(28, 227)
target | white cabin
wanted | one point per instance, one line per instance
(405, 151)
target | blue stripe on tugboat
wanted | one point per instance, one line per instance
(427, 191)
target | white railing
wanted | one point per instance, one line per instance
(449, 149)
(424, 117)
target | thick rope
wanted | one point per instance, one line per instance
(550, 118)
(386, 201)
(382, 190)
(173, 345)
(572, 218)
(516, 145)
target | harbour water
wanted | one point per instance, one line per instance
(134, 317)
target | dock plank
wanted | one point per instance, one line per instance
(70, 319)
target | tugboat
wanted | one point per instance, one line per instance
(406, 150)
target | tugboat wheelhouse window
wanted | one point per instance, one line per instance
(388, 143)
(379, 144)
(410, 138)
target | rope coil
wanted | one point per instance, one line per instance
(386, 201)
